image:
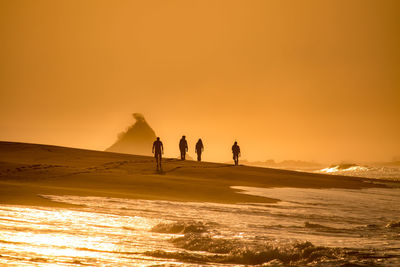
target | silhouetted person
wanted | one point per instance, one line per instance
(183, 147)
(236, 153)
(158, 150)
(199, 149)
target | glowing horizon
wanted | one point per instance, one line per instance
(304, 81)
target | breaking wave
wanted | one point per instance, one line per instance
(351, 169)
(345, 167)
(201, 246)
(236, 251)
(180, 227)
(198, 242)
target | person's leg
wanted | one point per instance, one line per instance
(156, 156)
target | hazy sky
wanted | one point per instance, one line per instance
(312, 80)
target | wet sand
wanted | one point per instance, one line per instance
(30, 170)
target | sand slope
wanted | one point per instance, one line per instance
(28, 170)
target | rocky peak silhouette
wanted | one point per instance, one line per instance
(137, 139)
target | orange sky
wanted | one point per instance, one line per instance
(312, 80)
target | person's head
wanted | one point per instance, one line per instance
(200, 140)
(183, 137)
(158, 138)
(235, 143)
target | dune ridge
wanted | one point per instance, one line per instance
(28, 171)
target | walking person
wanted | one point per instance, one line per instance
(158, 150)
(236, 153)
(199, 149)
(183, 147)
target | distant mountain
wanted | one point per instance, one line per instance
(137, 139)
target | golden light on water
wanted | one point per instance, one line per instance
(70, 234)
(112, 231)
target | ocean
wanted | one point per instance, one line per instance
(366, 171)
(307, 227)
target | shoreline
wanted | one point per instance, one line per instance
(30, 170)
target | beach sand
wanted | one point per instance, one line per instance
(28, 171)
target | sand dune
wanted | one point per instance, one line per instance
(30, 170)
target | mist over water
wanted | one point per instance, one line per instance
(329, 227)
